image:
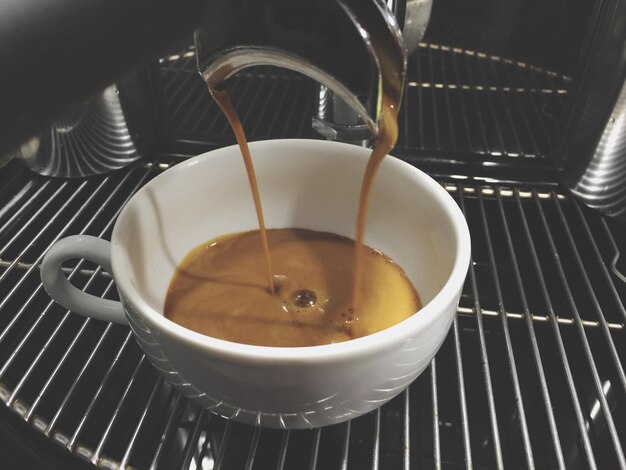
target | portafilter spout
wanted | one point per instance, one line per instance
(341, 44)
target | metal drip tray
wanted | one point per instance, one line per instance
(531, 374)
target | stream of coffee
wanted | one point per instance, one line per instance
(387, 137)
(391, 65)
(223, 100)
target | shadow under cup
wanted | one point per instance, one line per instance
(304, 184)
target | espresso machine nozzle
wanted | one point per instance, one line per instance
(335, 42)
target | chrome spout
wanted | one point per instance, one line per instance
(331, 41)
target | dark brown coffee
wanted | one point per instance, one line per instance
(222, 98)
(220, 290)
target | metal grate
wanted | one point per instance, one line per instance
(531, 374)
(458, 102)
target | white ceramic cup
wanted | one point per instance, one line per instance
(303, 183)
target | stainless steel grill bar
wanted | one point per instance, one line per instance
(254, 444)
(107, 431)
(183, 102)
(17, 199)
(45, 347)
(186, 85)
(406, 451)
(495, 433)
(211, 111)
(279, 105)
(345, 447)
(420, 101)
(520, 105)
(444, 75)
(306, 112)
(269, 97)
(70, 391)
(455, 51)
(200, 120)
(51, 302)
(140, 423)
(403, 139)
(477, 107)
(591, 461)
(101, 208)
(560, 96)
(205, 103)
(585, 343)
(434, 97)
(200, 98)
(315, 448)
(464, 113)
(445, 85)
(496, 122)
(592, 295)
(30, 270)
(533, 101)
(252, 103)
(221, 453)
(506, 106)
(282, 452)
(101, 387)
(174, 62)
(462, 399)
(192, 441)
(488, 190)
(32, 220)
(170, 427)
(507, 337)
(54, 373)
(436, 438)
(290, 114)
(24, 266)
(554, 434)
(538, 318)
(376, 444)
(23, 205)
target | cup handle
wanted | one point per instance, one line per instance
(63, 292)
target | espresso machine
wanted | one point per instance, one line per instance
(514, 106)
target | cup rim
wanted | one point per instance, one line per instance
(393, 335)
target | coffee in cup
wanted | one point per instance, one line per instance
(220, 290)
